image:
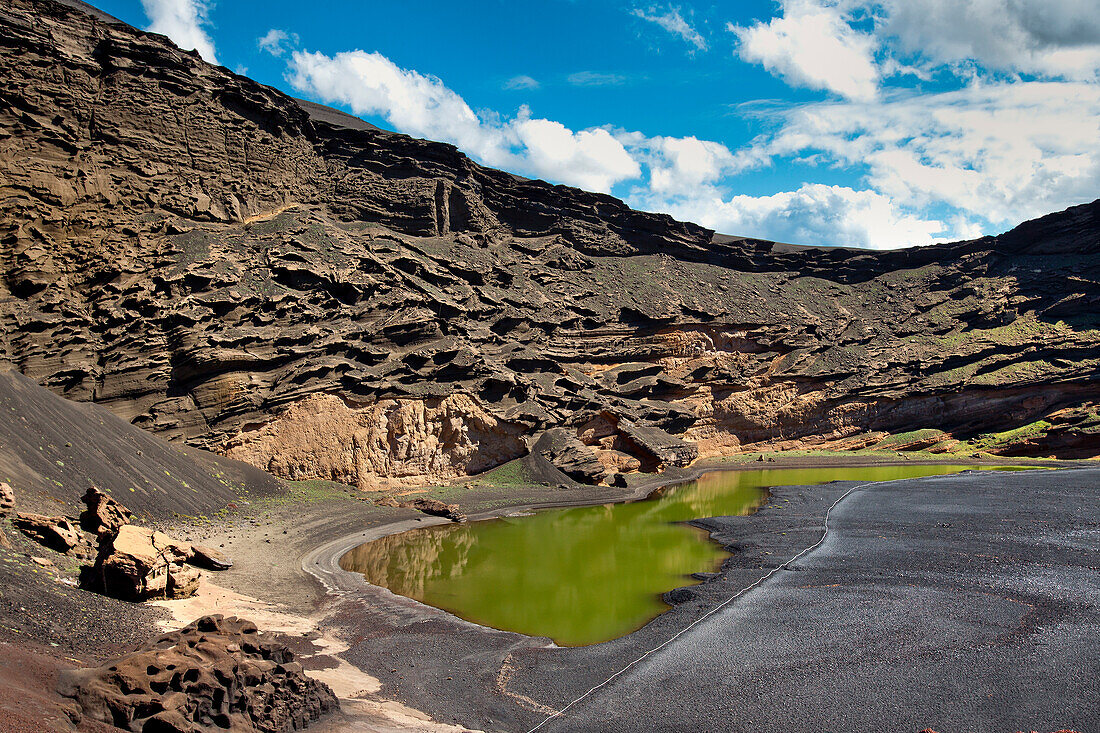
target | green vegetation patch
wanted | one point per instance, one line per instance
(512, 473)
(313, 490)
(925, 435)
(990, 441)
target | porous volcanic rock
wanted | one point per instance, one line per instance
(216, 673)
(103, 513)
(299, 280)
(405, 441)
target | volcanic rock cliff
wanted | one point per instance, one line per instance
(217, 263)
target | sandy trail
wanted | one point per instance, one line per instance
(361, 708)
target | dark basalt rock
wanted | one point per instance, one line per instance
(677, 596)
(216, 673)
(570, 456)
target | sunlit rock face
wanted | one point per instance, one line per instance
(383, 444)
(195, 252)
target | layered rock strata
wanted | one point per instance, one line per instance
(217, 263)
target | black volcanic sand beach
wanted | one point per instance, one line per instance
(967, 602)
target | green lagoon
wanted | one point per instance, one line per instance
(583, 575)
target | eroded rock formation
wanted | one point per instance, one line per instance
(216, 673)
(102, 513)
(429, 317)
(137, 563)
(57, 533)
(386, 443)
(7, 499)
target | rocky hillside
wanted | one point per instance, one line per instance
(221, 265)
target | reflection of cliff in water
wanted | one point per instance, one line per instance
(718, 494)
(405, 563)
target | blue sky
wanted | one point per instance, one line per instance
(869, 123)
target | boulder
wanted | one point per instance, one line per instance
(7, 499)
(136, 563)
(183, 581)
(617, 460)
(215, 673)
(57, 533)
(571, 456)
(209, 558)
(103, 513)
(436, 508)
(667, 449)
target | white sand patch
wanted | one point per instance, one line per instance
(353, 686)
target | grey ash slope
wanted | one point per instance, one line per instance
(52, 450)
(210, 261)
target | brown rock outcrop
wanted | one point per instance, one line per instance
(216, 673)
(571, 456)
(57, 533)
(137, 563)
(436, 508)
(209, 558)
(103, 513)
(381, 444)
(418, 316)
(7, 499)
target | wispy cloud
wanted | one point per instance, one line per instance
(522, 82)
(182, 21)
(595, 79)
(277, 42)
(674, 22)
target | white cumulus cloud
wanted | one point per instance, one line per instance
(372, 85)
(589, 159)
(182, 21)
(1003, 152)
(812, 45)
(813, 214)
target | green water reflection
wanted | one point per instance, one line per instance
(584, 574)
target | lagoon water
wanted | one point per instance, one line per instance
(588, 574)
